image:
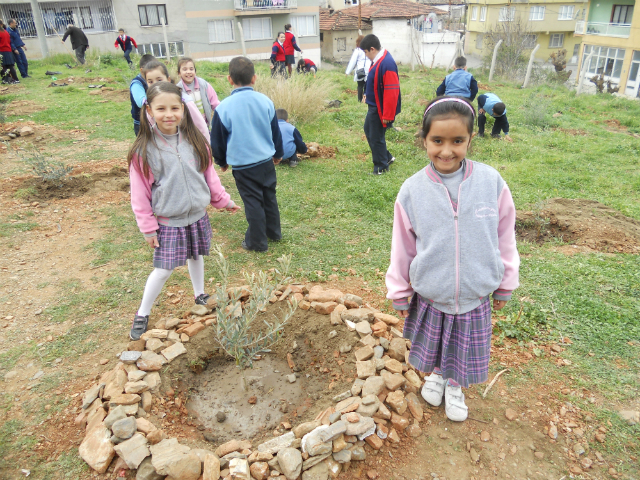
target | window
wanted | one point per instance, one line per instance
(342, 44)
(565, 12)
(150, 15)
(159, 50)
(221, 31)
(321, 37)
(85, 17)
(483, 14)
(304, 26)
(106, 18)
(622, 14)
(556, 40)
(56, 20)
(530, 41)
(605, 60)
(536, 13)
(474, 12)
(507, 14)
(257, 28)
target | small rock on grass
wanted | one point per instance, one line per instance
(510, 414)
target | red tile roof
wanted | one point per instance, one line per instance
(392, 9)
(340, 21)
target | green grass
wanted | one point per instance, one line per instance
(334, 215)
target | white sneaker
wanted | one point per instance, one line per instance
(454, 405)
(433, 389)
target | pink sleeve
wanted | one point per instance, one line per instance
(198, 120)
(213, 97)
(141, 198)
(507, 244)
(219, 197)
(403, 251)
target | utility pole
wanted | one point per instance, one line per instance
(166, 42)
(42, 34)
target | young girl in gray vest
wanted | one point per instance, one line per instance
(172, 183)
(453, 247)
(200, 91)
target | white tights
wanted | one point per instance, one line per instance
(159, 276)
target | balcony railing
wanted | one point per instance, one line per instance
(258, 5)
(604, 29)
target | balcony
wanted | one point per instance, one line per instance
(603, 29)
(256, 7)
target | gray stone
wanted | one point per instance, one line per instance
(221, 417)
(368, 399)
(175, 350)
(147, 472)
(358, 453)
(363, 328)
(317, 472)
(372, 386)
(318, 441)
(342, 396)
(291, 378)
(116, 440)
(290, 462)
(115, 414)
(360, 427)
(371, 409)
(334, 417)
(154, 344)
(199, 310)
(312, 461)
(134, 450)
(384, 343)
(136, 375)
(630, 416)
(130, 357)
(136, 387)
(38, 374)
(343, 456)
(90, 396)
(124, 428)
(379, 363)
(345, 348)
(274, 445)
(166, 453)
(378, 351)
(232, 455)
(357, 386)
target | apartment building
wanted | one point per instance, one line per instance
(550, 23)
(611, 33)
(204, 29)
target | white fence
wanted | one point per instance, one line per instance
(265, 4)
(90, 16)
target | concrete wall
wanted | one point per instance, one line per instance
(602, 10)
(438, 49)
(330, 44)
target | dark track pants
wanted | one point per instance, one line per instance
(22, 63)
(257, 188)
(375, 133)
(500, 124)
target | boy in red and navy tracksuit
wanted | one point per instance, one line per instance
(126, 43)
(382, 94)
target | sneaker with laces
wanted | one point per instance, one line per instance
(202, 299)
(393, 159)
(454, 406)
(433, 389)
(140, 325)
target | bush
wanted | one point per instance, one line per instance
(513, 54)
(51, 171)
(537, 112)
(529, 323)
(302, 96)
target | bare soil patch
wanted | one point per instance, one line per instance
(23, 107)
(585, 223)
(116, 179)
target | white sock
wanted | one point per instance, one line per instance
(152, 289)
(196, 272)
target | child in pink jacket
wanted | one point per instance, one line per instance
(172, 183)
(453, 247)
(197, 88)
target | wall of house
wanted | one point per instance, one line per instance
(333, 39)
(602, 10)
(199, 12)
(395, 36)
(438, 49)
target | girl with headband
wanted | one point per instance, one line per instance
(453, 247)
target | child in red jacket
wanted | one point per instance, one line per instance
(290, 47)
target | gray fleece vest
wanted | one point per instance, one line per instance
(206, 106)
(179, 194)
(458, 261)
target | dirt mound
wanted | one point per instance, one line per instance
(116, 179)
(23, 107)
(586, 223)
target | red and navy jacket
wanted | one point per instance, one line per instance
(307, 65)
(290, 44)
(126, 44)
(277, 53)
(383, 88)
(5, 41)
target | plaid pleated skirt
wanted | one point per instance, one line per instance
(177, 244)
(459, 345)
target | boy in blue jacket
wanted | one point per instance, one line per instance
(245, 134)
(292, 142)
(459, 83)
(490, 103)
(138, 92)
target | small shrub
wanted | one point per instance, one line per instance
(25, 193)
(529, 323)
(51, 171)
(302, 96)
(107, 58)
(237, 331)
(537, 112)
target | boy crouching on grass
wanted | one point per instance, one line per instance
(292, 142)
(245, 134)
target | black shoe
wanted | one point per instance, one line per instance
(26, 76)
(380, 172)
(246, 247)
(202, 299)
(6, 82)
(497, 135)
(393, 159)
(293, 163)
(481, 135)
(140, 324)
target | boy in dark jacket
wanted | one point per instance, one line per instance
(19, 48)
(245, 134)
(79, 41)
(126, 43)
(382, 94)
(138, 92)
(292, 142)
(459, 83)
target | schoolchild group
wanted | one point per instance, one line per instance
(453, 249)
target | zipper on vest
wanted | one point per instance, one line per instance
(457, 260)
